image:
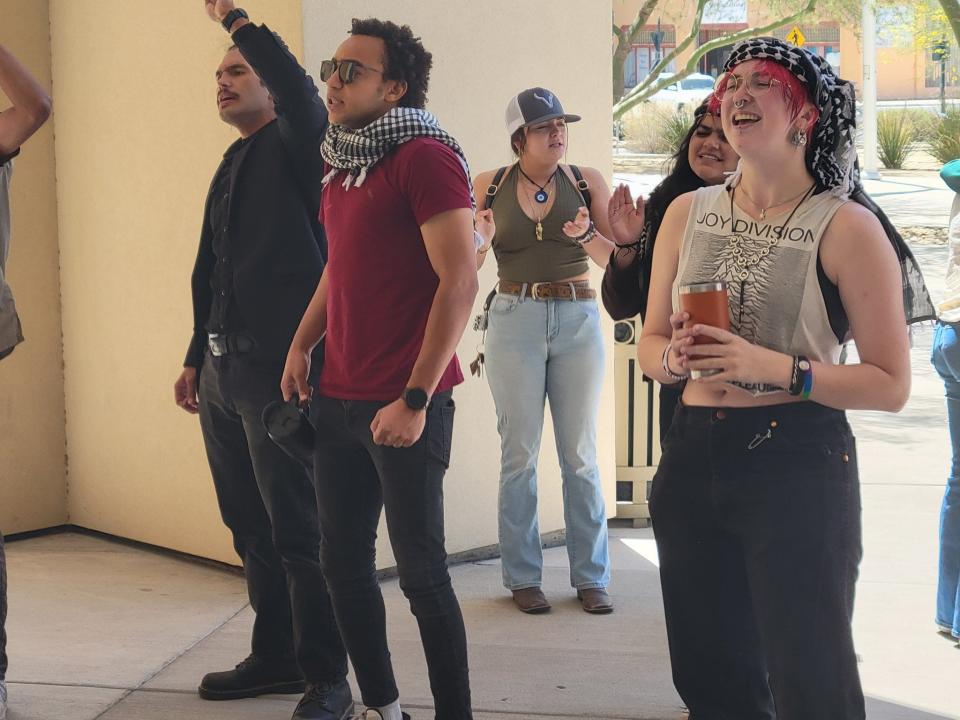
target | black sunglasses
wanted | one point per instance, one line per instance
(347, 70)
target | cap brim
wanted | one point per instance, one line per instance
(566, 117)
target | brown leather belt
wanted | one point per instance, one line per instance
(576, 290)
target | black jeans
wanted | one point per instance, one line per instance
(3, 610)
(355, 480)
(267, 501)
(756, 513)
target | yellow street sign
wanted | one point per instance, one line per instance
(796, 37)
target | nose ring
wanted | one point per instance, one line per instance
(739, 103)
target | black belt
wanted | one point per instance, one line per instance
(227, 344)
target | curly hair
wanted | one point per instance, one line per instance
(405, 58)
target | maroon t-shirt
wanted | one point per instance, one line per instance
(380, 284)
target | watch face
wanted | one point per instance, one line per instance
(416, 398)
(804, 365)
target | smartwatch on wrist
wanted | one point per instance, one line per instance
(415, 398)
(231, 17)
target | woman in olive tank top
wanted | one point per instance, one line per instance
(544, 341)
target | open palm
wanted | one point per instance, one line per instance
(626, 217)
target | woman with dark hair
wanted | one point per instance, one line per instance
(756, 502)
(704, 157)
(546, 221)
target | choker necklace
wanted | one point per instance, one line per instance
(541, 196)
(763, 210)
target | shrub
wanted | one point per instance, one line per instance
(895, 136)
(674, 128)
(945, 145)
(655, 128)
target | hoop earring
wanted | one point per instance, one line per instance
(799, 138)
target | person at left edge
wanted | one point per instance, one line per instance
(261, 255)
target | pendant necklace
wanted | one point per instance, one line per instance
(539, 219)
(763, 210)
(745, 258)
(541, 196)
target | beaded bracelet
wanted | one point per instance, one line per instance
(666, 365)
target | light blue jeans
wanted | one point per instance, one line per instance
(539, 349)
(946, 360)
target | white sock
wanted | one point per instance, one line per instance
(391, 711)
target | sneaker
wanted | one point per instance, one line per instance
(945, 630)
(251, 677)
(323, 701)
(3, 699)
(371, 714)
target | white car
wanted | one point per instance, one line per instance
(685, 94)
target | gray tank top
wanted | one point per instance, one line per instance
(777, 301)
(520, 256)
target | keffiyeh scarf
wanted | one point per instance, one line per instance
(832, 157)
(356, 151)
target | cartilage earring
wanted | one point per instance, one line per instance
(800, 138)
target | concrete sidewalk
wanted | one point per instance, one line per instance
(100, 629)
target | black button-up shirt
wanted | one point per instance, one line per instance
(224, 317)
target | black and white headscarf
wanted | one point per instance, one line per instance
(356, 151)
(832, 156)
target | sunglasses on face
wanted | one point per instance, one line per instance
(347, 69)
(757, 84)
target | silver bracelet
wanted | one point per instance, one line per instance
(666, 365)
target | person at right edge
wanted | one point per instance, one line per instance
(29, 110)
(260, 259)
(946, 360)
(756, 501)
(394, 301)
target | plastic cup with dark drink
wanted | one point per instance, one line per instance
(706, 303)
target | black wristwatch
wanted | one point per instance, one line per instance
(231, 17)
(415, 398)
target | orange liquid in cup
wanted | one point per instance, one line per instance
(706, 303)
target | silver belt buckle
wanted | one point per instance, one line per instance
(534, 287)
(216, 349)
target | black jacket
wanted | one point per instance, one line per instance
(277, 246)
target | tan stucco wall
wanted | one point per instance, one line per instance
(483, 54)
(138, 139)
(32, 489)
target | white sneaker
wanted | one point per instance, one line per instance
(942, 629)
(3, 699)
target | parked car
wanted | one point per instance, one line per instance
(687, 93)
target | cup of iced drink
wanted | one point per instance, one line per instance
(706, 303)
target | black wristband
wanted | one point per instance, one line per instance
(231, 17)
(798, 376)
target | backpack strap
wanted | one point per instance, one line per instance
(493, 187)
(582, 185)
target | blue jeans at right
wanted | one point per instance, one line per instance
(538, 350)
(946, 360)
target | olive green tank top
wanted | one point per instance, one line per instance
(523, 258)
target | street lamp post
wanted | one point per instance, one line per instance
(941, 51)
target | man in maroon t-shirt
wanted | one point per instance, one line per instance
(393, 302)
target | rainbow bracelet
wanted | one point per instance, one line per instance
(807, 382)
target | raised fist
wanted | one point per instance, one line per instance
(218, 9)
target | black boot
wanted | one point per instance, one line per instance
(323, 701)
(253, 676)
